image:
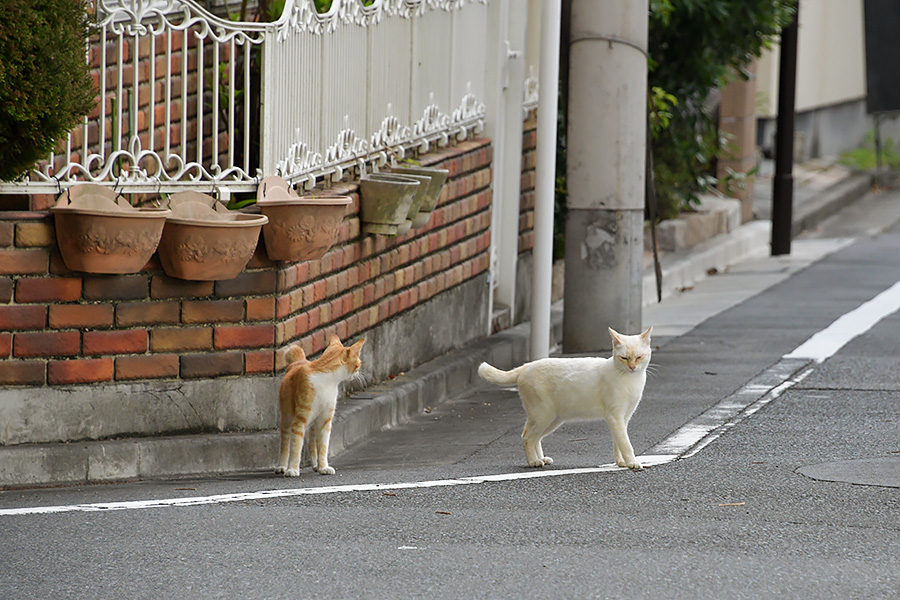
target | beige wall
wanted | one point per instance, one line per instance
(830, 58)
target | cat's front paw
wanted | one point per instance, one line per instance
(292, 473)
(325, 470)
(279, 470)
(548, 460)
(536, 463)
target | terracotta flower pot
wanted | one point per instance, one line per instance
(98, 233)
(299, 227)
(204, 241)
(384, 203)
(438, 179)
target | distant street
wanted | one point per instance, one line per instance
(788, 488)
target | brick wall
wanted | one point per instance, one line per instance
(526, 193)
(59, 327)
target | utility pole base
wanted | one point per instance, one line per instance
(604, 274)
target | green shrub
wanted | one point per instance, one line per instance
(695, 46)
(864, 158)
(45, 82)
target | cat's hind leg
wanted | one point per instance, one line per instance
(534, 432)
(285, 451)
(297, 431)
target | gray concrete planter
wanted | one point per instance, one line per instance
(432, 194)
(384, 203)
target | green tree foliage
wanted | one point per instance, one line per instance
(45, 83)
(695, 46)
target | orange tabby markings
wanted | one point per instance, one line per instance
(307, 399)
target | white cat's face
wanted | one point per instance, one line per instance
(631, 353)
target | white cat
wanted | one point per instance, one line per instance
(556, 390)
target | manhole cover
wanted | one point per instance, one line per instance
(864, 471)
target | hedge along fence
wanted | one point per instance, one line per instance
(59, 327)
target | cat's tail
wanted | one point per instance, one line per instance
(294, 353)
(498, 377)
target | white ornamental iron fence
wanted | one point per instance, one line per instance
(190, 100)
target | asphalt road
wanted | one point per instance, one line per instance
(739, 518)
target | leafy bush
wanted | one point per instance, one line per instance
(695, 46)
(45, 83)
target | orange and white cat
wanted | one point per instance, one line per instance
(307, 399)
(556, 390)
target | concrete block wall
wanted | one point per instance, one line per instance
(147, 333)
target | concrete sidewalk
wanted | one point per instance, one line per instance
(819, 194)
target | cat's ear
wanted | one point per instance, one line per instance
(334, 340)
(616, 337)
(645, 337)
(357, 347)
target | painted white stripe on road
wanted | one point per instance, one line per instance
(648, 461)
(827, 342)
(684, 443)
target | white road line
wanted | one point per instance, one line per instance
(827, 342)
(286, 493)
(684, 443)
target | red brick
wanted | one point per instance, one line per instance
(83, 370)
(116, 287)
(6, 290)
(212, 311)
(132, 341)
(282, 306)
(30, 235)
(180, 339)
(148, 366)
(301, 323)
(24, 262)
(211, 365)
(315, 316)
(52, 289)
(147, 313)
(244, 336)
(22, 317)
(80, 316)
(318, 341)
(22, 372)
(262, 361)
(46, 343)
(260, 309)
(320, 289)
(309, 294)
(5, 345)
(259, 283)
(7, 233)
(162, 287)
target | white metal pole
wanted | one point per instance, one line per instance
(545, 179)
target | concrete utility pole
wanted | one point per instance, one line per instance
(605, 174)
